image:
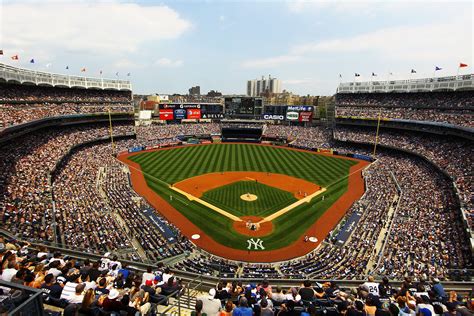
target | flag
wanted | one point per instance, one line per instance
(391, 73)
(438, 68)
(340, 76)
(357, 75)
(15, 57)
(461, 65)
(374, 74)
(32, 61)
(67, 67)
(413, 71)
(128, 75)
(116, 74)
(100, 72)
(83, 69)
(1, 51)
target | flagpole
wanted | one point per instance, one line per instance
(377, 133)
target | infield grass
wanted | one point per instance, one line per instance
(269, 200)
(165, 167)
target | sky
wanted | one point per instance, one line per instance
(169, 46)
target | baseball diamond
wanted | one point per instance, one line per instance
(198, 188)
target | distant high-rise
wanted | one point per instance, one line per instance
(256, 87)
(195, 90)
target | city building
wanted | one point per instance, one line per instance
(257, 87)
(195, 90)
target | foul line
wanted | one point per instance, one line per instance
(206, 204)
(292, 206)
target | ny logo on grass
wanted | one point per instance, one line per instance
(255, 243)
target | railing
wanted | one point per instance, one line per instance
(192, 286)
(465, 82)
(23, 301)
(21, 75)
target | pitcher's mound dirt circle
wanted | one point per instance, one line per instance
(264, 228)
(249, 197)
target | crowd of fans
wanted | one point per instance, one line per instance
(464, 118)
(451, 154)
(14, 114)
(445, 100)
(15, 93)
(107, 286)
(26, 199)
(83, 287)
(310, 137)
(22, 103)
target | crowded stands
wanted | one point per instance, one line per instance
(106, 286)
(22, 103)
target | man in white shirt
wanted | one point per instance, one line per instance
(10, 272)
(78, 296)
(371, 286)
(53, 268)
(210, 305)
(147, 275)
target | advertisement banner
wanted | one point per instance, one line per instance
(273, 117)
(194, 113)
(292, 116)
(166, 114)
(306, 116)
(179, 114)
(300, 108)
(213, 116)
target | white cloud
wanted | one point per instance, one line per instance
(86, 27)
(222, 18)
(298, 81)
(436, 42)
(271, 61)
(166, 62)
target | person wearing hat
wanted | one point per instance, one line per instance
(210, 304)
(111, 302)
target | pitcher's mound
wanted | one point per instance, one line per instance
(248, 197)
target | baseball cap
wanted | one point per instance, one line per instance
(113, 294)
(212, 293)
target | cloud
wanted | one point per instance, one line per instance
(87, 27)
(437, 43)
(298, 81)
(433, 42)
(166, 62)
(222, 18)
(271, 61)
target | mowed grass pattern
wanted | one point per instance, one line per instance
(181, 163)
(269, 200)
(165, 167)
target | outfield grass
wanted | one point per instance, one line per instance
(268, 202)
(165, 167)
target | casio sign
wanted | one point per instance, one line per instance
(273, 117)
(293, 116)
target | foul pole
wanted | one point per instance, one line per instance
(111, 130)
(377, 133)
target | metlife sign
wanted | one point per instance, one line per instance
(300, 108)
(273, 117)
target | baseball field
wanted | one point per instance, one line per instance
(248, 201)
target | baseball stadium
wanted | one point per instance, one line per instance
(114, 202)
